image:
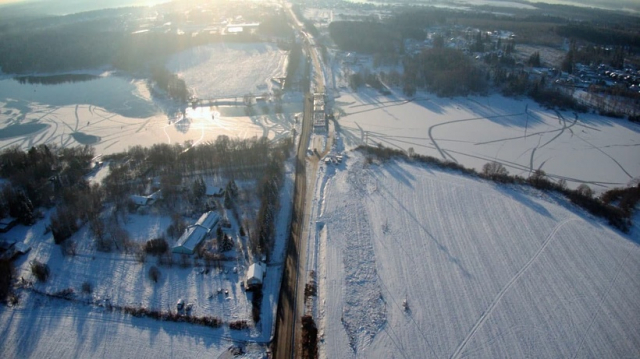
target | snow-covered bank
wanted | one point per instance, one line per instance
(486, 270)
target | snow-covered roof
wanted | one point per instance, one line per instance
(191, 238)
(146, 200)
(208, 220)
(319, 119)
(155, 195)
(255, 272)
(22, 247)
(139, 200)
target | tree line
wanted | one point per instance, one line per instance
(444, 71)
(617, 206)
(601, 34)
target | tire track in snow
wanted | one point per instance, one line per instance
(496, 300)
(606, 154)
(564, 127)
(435, 143)
(533, 152)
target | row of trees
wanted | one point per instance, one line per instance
(237, 157)
(269, 194)
(601, 35)
(619, 215)
(295, 55)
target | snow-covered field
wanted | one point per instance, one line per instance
(487, 271)
(60, 330)
(580, 148)
(47, 327)
(228, 69)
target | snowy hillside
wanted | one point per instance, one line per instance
(227, 70)
(486, 271)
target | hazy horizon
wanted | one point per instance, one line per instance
(64, 7)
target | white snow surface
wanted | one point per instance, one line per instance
(579, 147)
(61, 330)
(487, 271)
(229, 69)
(110, 132)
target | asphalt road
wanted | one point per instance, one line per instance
(286, 319)
(291, 301)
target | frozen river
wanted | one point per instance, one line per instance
(113, 113)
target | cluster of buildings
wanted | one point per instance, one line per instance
(205, 227)
(206, 19)
(601, 75)
(460, 38)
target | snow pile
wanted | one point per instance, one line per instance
(485, 270)
(364, 309)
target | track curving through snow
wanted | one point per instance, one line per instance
(458, 352)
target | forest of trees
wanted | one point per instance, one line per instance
(601, 35)
(81, 41)
(45, 176)
(366, 37)
(170, 83)
(276, 25)
(55, 79)
(446, 72)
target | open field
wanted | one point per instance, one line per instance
(580, 148)
(486, 270)
(59, 330)
(229, 69)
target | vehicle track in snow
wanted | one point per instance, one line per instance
(487, 313)
(444, 153)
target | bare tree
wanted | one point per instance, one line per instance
(494, 169)
(584, 190)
